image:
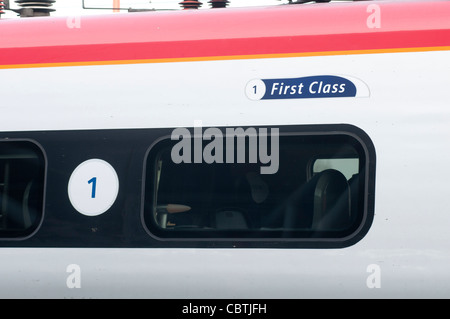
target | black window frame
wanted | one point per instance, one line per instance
(223, 238)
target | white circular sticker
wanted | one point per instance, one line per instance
(93, 187)
(255, 89)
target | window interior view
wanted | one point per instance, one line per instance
(316, 192)
(22, 173)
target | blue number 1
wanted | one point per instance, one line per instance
(93, 180)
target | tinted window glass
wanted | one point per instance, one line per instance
(300, 197)
(22, 174)
(347, 166)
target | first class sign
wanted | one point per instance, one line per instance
(320, 86)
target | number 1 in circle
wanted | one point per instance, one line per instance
(93, 181)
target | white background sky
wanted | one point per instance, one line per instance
(74, 7)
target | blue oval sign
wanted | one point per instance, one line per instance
(320, 86)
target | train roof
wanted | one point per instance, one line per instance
(284, 30)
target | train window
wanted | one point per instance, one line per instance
(316, 190)
(22, 174)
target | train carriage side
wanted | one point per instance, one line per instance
(292, 151)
